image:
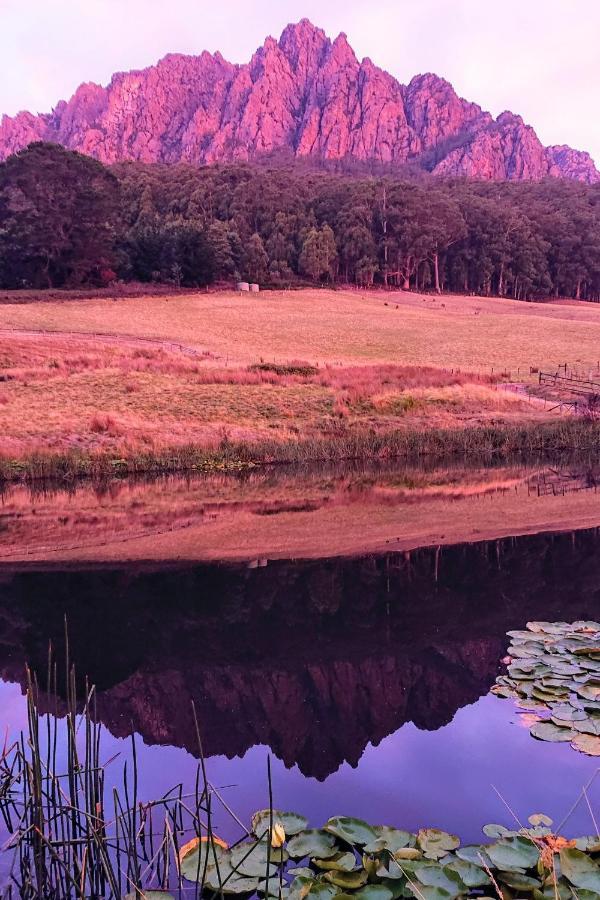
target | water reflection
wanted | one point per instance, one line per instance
(316, 659)
(314, 512)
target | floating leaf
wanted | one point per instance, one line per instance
(374, 892)
(292, 822)
(588, 726)
(549, 731)
(495, 831)
(475, 855)
(230, 884)
(435, 843)
(340, 862)
(532, 705)
(199, 854)
(431, 893)
(579, 869)
(322, 891)
(518, 881)
(587, 743)
(312, 842)
(588, 691)
(511, 854)
(392, 869)
(407, 853)
(391, 839)
(470, 874)
(300, 887)
(273, 890)
(440, 877)
(568, 712)
(539, 819)
(347, 880)
(354, 831)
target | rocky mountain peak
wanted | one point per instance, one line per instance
(304, 93)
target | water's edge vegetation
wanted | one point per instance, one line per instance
(527, 440)
(70, 836)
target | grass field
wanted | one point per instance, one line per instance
(324, 326)
(137, 375)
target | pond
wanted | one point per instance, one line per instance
(365, 676)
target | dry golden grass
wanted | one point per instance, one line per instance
(74, 393)
(471, 333)
(152, 372)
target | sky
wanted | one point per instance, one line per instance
(538, 58)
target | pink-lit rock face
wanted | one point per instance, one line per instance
(304, 94)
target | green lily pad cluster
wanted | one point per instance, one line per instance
(348, 859)
(554, 673)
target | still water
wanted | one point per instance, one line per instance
(365, 677)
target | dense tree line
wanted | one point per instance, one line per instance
(66, 220)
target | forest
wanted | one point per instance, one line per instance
(67, 221)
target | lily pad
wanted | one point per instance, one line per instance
(539, 819)
(424, 892)
(518, 881)
(512, 854)
(374, 892)
(391, 839)
(250, 858)
(354, 831)
(470, 874)
(312, 842)
(347, 880)
(496, 831)
(300, 887)
(588, 691)
(199, 855)
(587, 743)
(475, 855)
(230, 884)
(550, 731)
(580, 869)
(340, 862)
(292, 822)
(440, 877)
(435, 843)
(567, 712)
(405, 853)
(322, 891)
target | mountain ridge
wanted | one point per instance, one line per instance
(304, 93)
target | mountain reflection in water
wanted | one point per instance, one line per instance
(314, 658)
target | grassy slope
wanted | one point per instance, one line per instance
(72, 393)
(473, 333)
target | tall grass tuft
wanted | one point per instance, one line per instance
(530, 441)
(70, 836)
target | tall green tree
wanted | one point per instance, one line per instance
(319, 254)
(59, 212)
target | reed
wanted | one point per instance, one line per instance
(69, 835)
(340, 443)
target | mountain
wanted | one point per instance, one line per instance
(305, 94)
(316, 658)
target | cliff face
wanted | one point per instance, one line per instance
(305, 94)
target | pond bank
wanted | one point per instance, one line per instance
(310, 511)
(529, 440)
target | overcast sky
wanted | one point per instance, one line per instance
(539, 58)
